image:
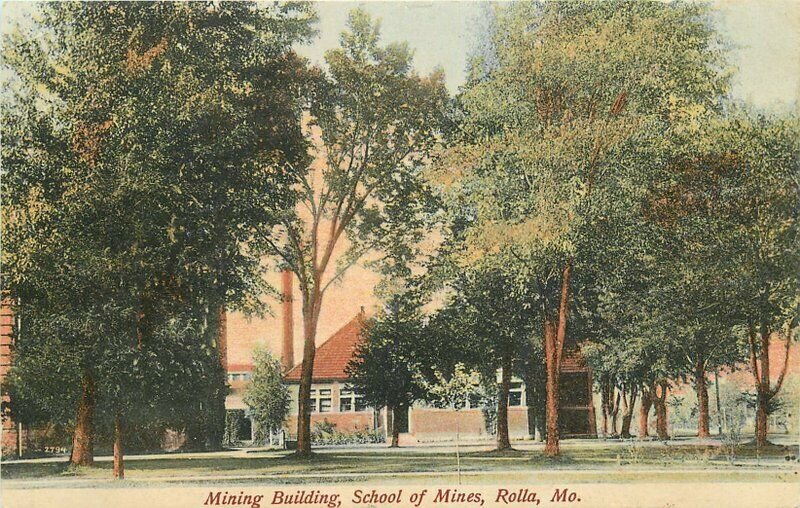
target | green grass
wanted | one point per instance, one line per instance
(590, 463)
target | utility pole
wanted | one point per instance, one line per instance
(719, 407)
(17, 335)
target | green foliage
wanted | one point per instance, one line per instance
(385, 368)
(266, 395)
(569, 119)
(234, 424)
(554, 140)
(758, 214)
(325, 433)
(373, 124)
(144, 145)
(452, 391)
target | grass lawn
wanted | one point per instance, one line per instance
(628, 462)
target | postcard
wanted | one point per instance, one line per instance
(400, 254)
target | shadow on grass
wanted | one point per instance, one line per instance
(331, 465)
(39, 470)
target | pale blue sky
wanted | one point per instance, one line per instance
(765, 34)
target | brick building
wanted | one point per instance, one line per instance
(335, 402)
(331, 397)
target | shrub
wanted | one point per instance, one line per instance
(325, 433)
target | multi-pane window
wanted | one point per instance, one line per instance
(346, 401)
(239, 376)
(351, 401)
(515, 394)
(325, 401)
(320, 400)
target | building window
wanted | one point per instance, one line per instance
(346, 401)
(351, 401)
(325, 401)
(239, 376)
(515, 396)
(320, 401)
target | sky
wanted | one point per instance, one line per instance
(765, 39)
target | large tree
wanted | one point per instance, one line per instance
(386, 365)
(759, 212)
(579, 101)
(145, 143)
(495, 332)
(372, 124)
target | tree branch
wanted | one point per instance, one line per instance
(751, 339)
(781, 376)
(349, 264)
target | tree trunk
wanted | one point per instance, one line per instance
(627, 414)
(644, 412)
(762, 418)
(702, 400)
(395, 428)
(555, 336)
(719, 406)
(503, 441)
(119, 465)
(83, 438)
(215, 428)
(551, 443)
(660, 403)
(763, 391)
(311, 308)
(605, 403)
(614, 415)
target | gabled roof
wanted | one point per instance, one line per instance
(334, 354)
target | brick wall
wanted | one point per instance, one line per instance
(9, 438)
(348, 421)
(434, 424)
(425, 423)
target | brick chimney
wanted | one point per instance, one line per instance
(287, 349)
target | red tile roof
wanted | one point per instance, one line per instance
(334, 354)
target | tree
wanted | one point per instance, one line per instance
(266, 395)
(494, 330)
(560, 132)
(385, 366)
(759, 211)
(147, 146)
(372, 124)
(451, 392)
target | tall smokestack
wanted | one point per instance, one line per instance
(287, 350)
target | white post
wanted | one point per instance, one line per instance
(458, 455)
